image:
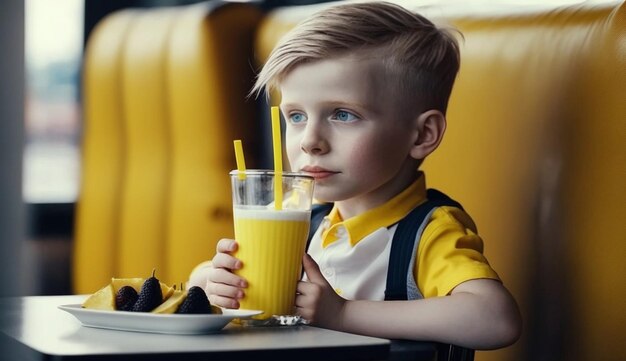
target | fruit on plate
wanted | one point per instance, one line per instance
(196, 302)
(103, 299)
(150, 296)
(172, 303)
(136, 283)
(106, 297)
(125, 298)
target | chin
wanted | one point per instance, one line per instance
(322, 195)
(327, 195)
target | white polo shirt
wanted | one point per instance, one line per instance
(353, 254)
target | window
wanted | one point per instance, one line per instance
(53, 52)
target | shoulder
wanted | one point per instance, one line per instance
(450, 252)
(449, 228)
(451, 217)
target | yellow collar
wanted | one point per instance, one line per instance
(385, 215)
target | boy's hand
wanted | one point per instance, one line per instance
(316, 301)
(223, 287)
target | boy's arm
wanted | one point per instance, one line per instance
(478, 314)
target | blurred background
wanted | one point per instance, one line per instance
(41, 135)
(54, 38)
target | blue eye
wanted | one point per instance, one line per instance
(296, 118)
(345, 116)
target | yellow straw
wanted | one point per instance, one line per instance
(278, 160)
(241, 161)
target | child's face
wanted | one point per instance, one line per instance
(346, 129)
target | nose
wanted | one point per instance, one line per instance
(314, 140)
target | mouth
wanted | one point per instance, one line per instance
(318, 172)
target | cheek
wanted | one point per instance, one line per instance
(292, 147)
(378, 154)
(365, 154)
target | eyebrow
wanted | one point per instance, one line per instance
(338, 104)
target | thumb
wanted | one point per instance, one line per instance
(312, 270)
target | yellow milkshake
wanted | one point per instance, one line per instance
(271, 246)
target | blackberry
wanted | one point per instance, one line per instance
(195, 303)
(125, 298)
(150, 295)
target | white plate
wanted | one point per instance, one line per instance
(156, 323)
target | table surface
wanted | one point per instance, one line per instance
(34, 328)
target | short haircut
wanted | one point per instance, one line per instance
(421, 58)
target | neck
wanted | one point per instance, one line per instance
(362, 203)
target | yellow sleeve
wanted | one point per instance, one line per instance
(450, 252)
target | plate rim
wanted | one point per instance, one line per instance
(175, 324)
(228, 312)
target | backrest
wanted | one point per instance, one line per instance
(535, 152)
(96, 222)
(146, 163)
(160, 114)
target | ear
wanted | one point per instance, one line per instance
(430, 127)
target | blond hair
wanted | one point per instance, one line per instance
(422, 58)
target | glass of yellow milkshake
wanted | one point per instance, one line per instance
(272, 240)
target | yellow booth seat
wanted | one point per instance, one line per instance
(536, 152)
(164, 96)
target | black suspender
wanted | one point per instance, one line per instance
(404, 240)
(402, 243)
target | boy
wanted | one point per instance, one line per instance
(364, 89)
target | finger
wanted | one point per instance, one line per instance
(228, 278)
(303, 310)
(312, 270)
(222, 290)
(224, 260)
(224, 302)
(226, 245)
(304, 301)
(307, 288)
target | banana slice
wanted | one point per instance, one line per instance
(172, 303)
